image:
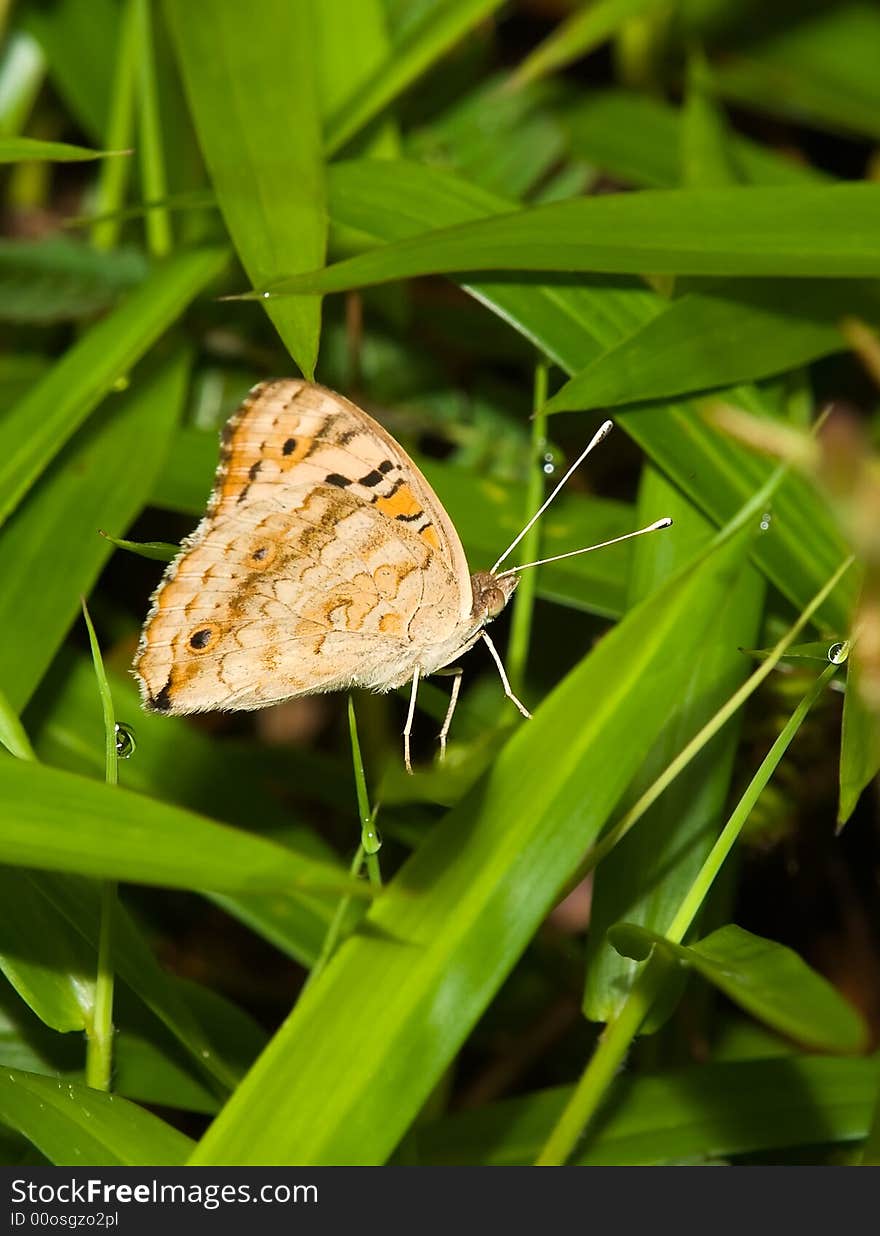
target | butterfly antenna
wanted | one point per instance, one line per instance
(602, 432)
(588, 549)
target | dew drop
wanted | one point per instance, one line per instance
(838, 653)
(766, 520)
(549, 464)
(122, 383)
(371, 839)
(126, 743)
(265, 296)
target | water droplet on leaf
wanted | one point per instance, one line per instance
(126, 743)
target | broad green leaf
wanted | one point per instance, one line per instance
(461, 911)
(706, 1112)
(781, 231)
(487, 514)
(60, 279)
(859, 746)
(587, 28)
(37, 427)
(637, 139)
(646, 875)
(767, 979)
(17, 149)
(52, 971)
(737, 332)
(249, 72)
(50, 549)
(75, 1126)
(802, 547)
(424, 41)
(63, 822)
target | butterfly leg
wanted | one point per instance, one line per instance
(503, 675)
(407, 729)
(455, 674)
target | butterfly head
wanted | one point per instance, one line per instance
(491, 594)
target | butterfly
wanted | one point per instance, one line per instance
(325, 561)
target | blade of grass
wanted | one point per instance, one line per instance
(780, 231)
(370, 842)
(153, 179)
(586, 29)
(50, 549)
(708, 1112)
(261, 143)
(75, 1126)
(63, 822)
(645, 876)
(19, 149)
(619, 1033)
(38, 426)
(530, 546)
(99, 1034)
(114, 176)
(425, 40)
(768, 980)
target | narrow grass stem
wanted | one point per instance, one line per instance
(623, 1028)
(369, 836)
(152, 155)
(99, 1035)
(113, 174)
(524, 604)
(331, 939)
(711, 728)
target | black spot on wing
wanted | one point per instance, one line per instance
(371, 479)
(409, 519)
(161, 701)
(333, 478)
(289, 446)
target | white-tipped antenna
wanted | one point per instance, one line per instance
(602, 432)
(655, 527)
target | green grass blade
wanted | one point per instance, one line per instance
(708, 1112)
(38, 426)
(74, 1126)
(645, 876)
(586, 29)
(13, 735)
(859, 745)
(462, 910)
(780, 231)
(261, 141)
(737, 332)
(63, 822)
(351, 43)
(424, 41)
(766, 979)
(19, 149)
(51, 969)
(636, 138)
(51, 550)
